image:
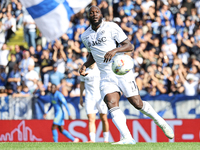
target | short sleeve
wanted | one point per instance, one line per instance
(117, 33)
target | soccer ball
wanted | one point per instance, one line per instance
(122, 64)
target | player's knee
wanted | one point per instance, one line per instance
(104, 118)
(91, 120)
(112, 100)
(53, 127)
(136, 102)
(60, 129)
(111, 103)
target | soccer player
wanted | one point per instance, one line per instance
(101, 40)
(57, 101)
(93, 102)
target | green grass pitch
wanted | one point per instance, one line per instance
(97, 146)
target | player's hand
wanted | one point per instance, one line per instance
(109, 55)
(70, 118)
(82, 70)
(44, 116)
(81, 101)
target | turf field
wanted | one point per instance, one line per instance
(98, 146)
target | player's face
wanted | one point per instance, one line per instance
(95, 16)
(53, 89)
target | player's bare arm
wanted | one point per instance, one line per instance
(126, 46)
(88, 63)
(82, 87)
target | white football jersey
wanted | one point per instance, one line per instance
(92, 83)
(101, 41)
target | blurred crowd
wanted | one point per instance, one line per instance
(165, 35)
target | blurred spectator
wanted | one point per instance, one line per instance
(2, 35)
(4, 4)
(183, 55)
(167, 27)
(41, 40)
(36, 59)
(46, 66)
(10, 26)
(72, 65)
(29, 30)
(196, 50)
(137, 39)
(126, 26)
(188, 4)
(19, 15)
(193, 15)
(190, 84)
(156, 46)
(26, 62)
(48, 90)
(165, 14)
(157, 27)
(75, 92)
(104, 8)
(70, 81)
(137, 59)
(140, 81)
(70, 31)
(193, 61)
(31, 78)
(197, 5)
(11, 63)
(4, 52)
(194, 71)
(168, 35)
(3, 77)
(63, 87)
(40, 88)
(39, 51)
(3, 93)
(170, 49)
(18, 53)
(23, 93)
(55, 76)
(59, 57)
(84, 53)
(146, 4)
(80, 28)
(14, 78)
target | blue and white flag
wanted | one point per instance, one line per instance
(52, 16)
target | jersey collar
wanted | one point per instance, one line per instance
(101, 25)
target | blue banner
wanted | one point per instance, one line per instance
(169, 107)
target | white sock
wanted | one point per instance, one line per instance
(105, 136)
(119, 120)
(92, 136)
(150, 112)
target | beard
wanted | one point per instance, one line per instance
(96, 23)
